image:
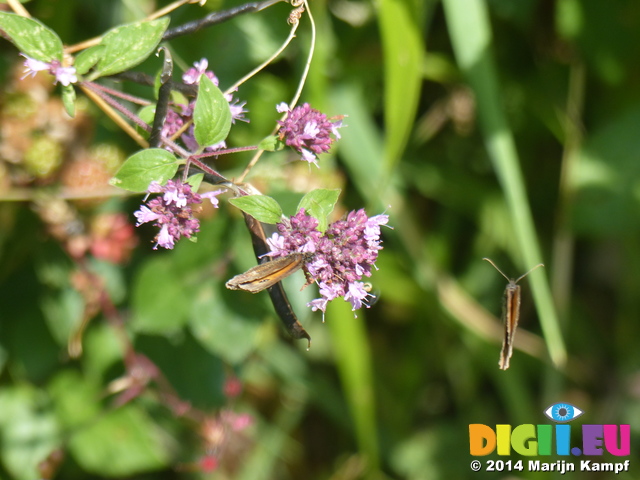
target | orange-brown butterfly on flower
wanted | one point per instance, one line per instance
(267, 274)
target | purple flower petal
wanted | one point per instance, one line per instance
(165, 239)
(318, 304)
(212, 196)
(340, 257)
(307, 131)
(145, 215)
(307, 156)
(65, 75)
(192, 75)
(356, 295)
(277, 245)
(33, 66)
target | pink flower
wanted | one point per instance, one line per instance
(172, 212)
(145, 215)
(339, 258)
(212, 196)
(33, 66)
(308, 131)
(192, 76)
(65, 75)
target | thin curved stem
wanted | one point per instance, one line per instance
(296, 96)
(260, 67)
(307, 65)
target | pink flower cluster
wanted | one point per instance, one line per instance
(308, 130)
(339, 257)
(171, 211)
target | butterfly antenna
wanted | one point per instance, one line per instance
(501, 272)
(522, 276)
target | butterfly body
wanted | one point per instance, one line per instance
(510, 318)
(510, 314)
(267, 274)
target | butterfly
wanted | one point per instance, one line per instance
(510, 313)
(267, 274)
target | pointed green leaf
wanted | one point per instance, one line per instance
(212, 116)
(157, 83)
(88, 58)
(261, 207)
(69, 99)
(271, 144)
(144, 167)
(146, 114)
(195, 181)
(222, 330)
(32, 37)
(319, 204)
(179, 98)
(128, 45)
(401, 32)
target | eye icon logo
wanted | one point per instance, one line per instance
(563, 412)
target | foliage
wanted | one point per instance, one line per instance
(483, 129)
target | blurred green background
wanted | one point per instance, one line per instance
(493, 128)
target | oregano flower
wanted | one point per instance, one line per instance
(308, 131)
(172, 211)
(64, 75)
(338, 258)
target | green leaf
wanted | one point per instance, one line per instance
(195, 181)
(362, 150)
(28, 432)
(32, 37)
(221, 330)
(400, 24)
(129, 45)
(88, 58)
(69, 99)
(3, 358)
(354, 361)
(179, 98)
(144, 167)
(157, 83)
(63, 312)
(211, 116)
(196, 375)
(606, 178)
(126, 434)
(76, 399)
(261, 207)
(102, 349)
(319, 204)
(271, 144)
(160, 300)
(146, 114)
